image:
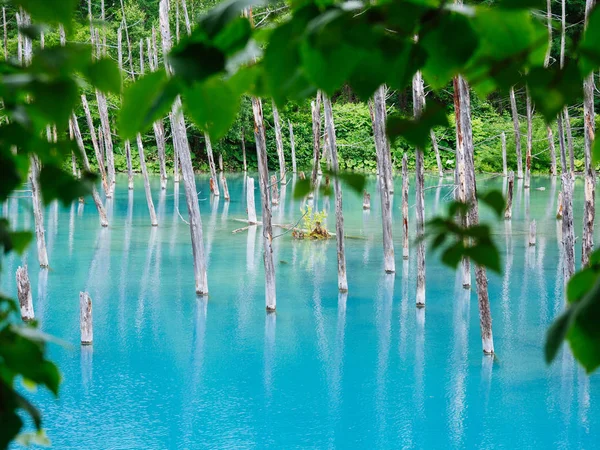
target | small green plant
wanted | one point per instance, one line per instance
(312, 224)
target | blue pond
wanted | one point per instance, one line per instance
(169, 370)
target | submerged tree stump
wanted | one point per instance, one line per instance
(24, 294)
(366, 200)
(509, 195)
(274, 191)
(532, 233)
(559, 206)
(85, 318)
(225, 187)
(302, 176)
(250, 205)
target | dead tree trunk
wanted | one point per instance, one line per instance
(532, 233)
(509, 195)
(244, 149)
(568, 234)
(405, 207)
(316, 129)
(590, 174)
(366, 200)
(552, 150)
(5, 35)
(527, 183)
(263, 174)
(211, 164)
(503, 142)
(108, 144)
(86, 166)
(130, 54)
(381, 148)
(85, 318)
(127, 143)
(225, 187)
(279, 143)
(24, 294)
(339, 213)
(567, 125)
(38, 212)
(274, 191)
(151, 210)
(418, 106)
(97, 153)
(292, 146)
(485, 315)
(184, 155)
(515, 117)
(561, 143)
(250, 205)
(559, 206)
(438, 159)
(186, 17)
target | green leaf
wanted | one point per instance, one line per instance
(20, 240)
(556, 335)
(213, 106)
(196, 61)
(596, 151)
(522, 4)
(145, 101)
(589, 46)
(355, 181)
(50, 11)
(453, 254)
(580, 284)
(218, 17)
(61, 185)
(485, 254)
(234, 36)
(55, 100)
(301, 189)
(584, 334)
(416, 131)
(494, 200)
(105, 75)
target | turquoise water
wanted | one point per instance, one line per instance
(169, 370)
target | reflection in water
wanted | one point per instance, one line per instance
(176, 218)
(42, 307)
(404, 310)
(162, 199)
(251, 249)
(124, 269)
(506, 281)
(550, 209)
(80, 209)
(212, 226)
(438, 192)
(144, 283)
(269, 354)
(86, 355)
(52, 226)
(71, 227)
(419, 369)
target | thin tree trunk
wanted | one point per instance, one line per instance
(86, 166)
(250, 205)
(220, 162)
(590, 174)
(5, 35)
(127, 143)
(509, 195)
(225, 187)
(405, 207)
(418, 106)
(316, 129)
(186, 17)
(85, 318)
(549, 134)
(503, 143)
(292, 146)
(559, 206)
(108, 144)
(389, 262)
(279, 142)
(515, 117)
(366, 200)
(485, 316)
(274, 191)
(24, 294)
(38, 212)
(339, 213)
(568, 235)
(438, 159)
(129, 52)
(561, 143)
(151, 210)
(244, 150)
(211, 165)
(552, 150)
(263, 174)
(191, 194)
(567, 126)
(527, 183)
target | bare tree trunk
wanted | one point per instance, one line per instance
(108, 144)
(515, 116)
(568, 235)
(339, 213)
(97, 152)
(86, 166)
(562, 145)
(404, 206)
(38, 212)
(279, 142)
(438, 159)
(151, 210)
(244, 149)
(127, 143)
(225, 187)
(186, 17)
(509, 195)
(316, 128)
(389, 261)
(590, 174)
(567, 126)
(220, 162)
(5, 34)
(559, 206)
(485, 315)
(532, 233)
(130, 54)
(24, 294)
(191, 194)
(85, 318)
(211, 164)
(250, 206)
(274, 191)
(503, 142)
(263, 174)
(366, 200)
(527, 183)
(292, 146)
(552, 150)
(418, 106)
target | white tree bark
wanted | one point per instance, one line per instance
(509, 196)
(149, 201)
(292, 146)
(244, 150)
(366, 200)
(186, 17)
(527, 183)
(316, 128)
(86, 166)
(552, 150)
(405, 207)
(532, 233)
(568, 234)
(515, 117)
(24, 294)
(225, 187)
(5, 34)
(97, 151)
(567, 126)
(438, 159)
(503, 143)
(418, 106)
(211, 164)
(38, 212)
(108, 144)
(274, 191)
(184, 155)
(279, 142)
(263, 174)
(250, 205)
(339, 213)
(85, 318)
(559, 206)
(561, 143)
